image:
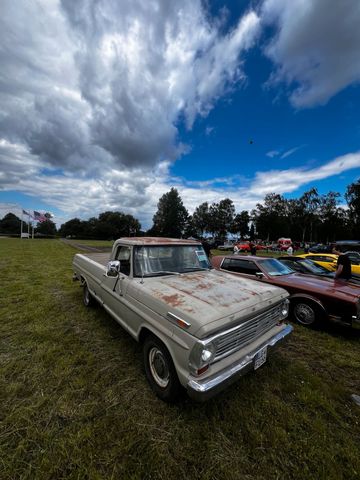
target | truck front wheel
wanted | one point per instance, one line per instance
(160, 370)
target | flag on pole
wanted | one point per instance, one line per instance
(39, 217)
(22, 234)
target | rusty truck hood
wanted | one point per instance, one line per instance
(207, 300)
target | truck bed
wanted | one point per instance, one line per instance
(102, 258)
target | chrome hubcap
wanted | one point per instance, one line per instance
(304, 314)
(159, 367)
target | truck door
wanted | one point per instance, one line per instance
(114, 290)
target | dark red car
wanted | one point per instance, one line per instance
(312, 299)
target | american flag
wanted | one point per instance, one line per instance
(39, 217)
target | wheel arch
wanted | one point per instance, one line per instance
(175, 349)
(309, 298)
(146, 331)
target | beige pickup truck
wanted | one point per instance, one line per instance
(200, 329)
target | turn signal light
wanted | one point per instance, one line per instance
(202, 370)
(182, 324)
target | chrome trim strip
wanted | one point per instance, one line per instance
(203, 389)
(172, 316)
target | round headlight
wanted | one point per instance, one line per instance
(201, 356)
(206, 355)
(285, 308)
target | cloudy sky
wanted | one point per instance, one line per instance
(107, 104)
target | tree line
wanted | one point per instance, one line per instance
(311, 217)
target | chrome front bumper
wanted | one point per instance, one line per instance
(201, 390)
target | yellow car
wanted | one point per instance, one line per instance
(329, 261)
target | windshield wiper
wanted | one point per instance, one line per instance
(161, 272)
(193, 269)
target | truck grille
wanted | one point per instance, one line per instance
(240, 336)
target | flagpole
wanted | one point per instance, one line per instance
(21, 228)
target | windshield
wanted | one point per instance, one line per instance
(169, 259)
(313, 267)
(275, 268)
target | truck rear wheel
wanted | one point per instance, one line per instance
(160, 371)
(88, 299)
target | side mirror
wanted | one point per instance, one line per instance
(113, 268)
(259, 275)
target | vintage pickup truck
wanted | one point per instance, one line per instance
(200, 329)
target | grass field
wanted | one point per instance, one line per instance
(75, 404)
(92, 243)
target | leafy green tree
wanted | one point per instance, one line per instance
(74, 228)
(309, 202)
(108, 226)
(10, 224)
(271, 218)
(221, 217)
(241, 224)
(47, 227)
(112, 225)
(200, 219)
(190, 230)
(171, 217)
(329, 217)
(295, 219)
(352, 197)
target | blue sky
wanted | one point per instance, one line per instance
(107, 105)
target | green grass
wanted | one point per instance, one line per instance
(75, 404)
(91, 243)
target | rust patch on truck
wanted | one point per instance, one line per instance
(173, 300)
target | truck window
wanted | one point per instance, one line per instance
(123, 255)
(162, 259)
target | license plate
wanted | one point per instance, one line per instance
(260, 358)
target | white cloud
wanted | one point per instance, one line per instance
(316, 48)
(286, 181)
(94, 90)
(273, 153)
(137, 191)
(92, 93)
(98, 84)
(289, 152)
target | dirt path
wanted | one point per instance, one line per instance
(82, 246)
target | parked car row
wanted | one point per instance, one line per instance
(329, 261)
(313, 298)
(341, 245)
